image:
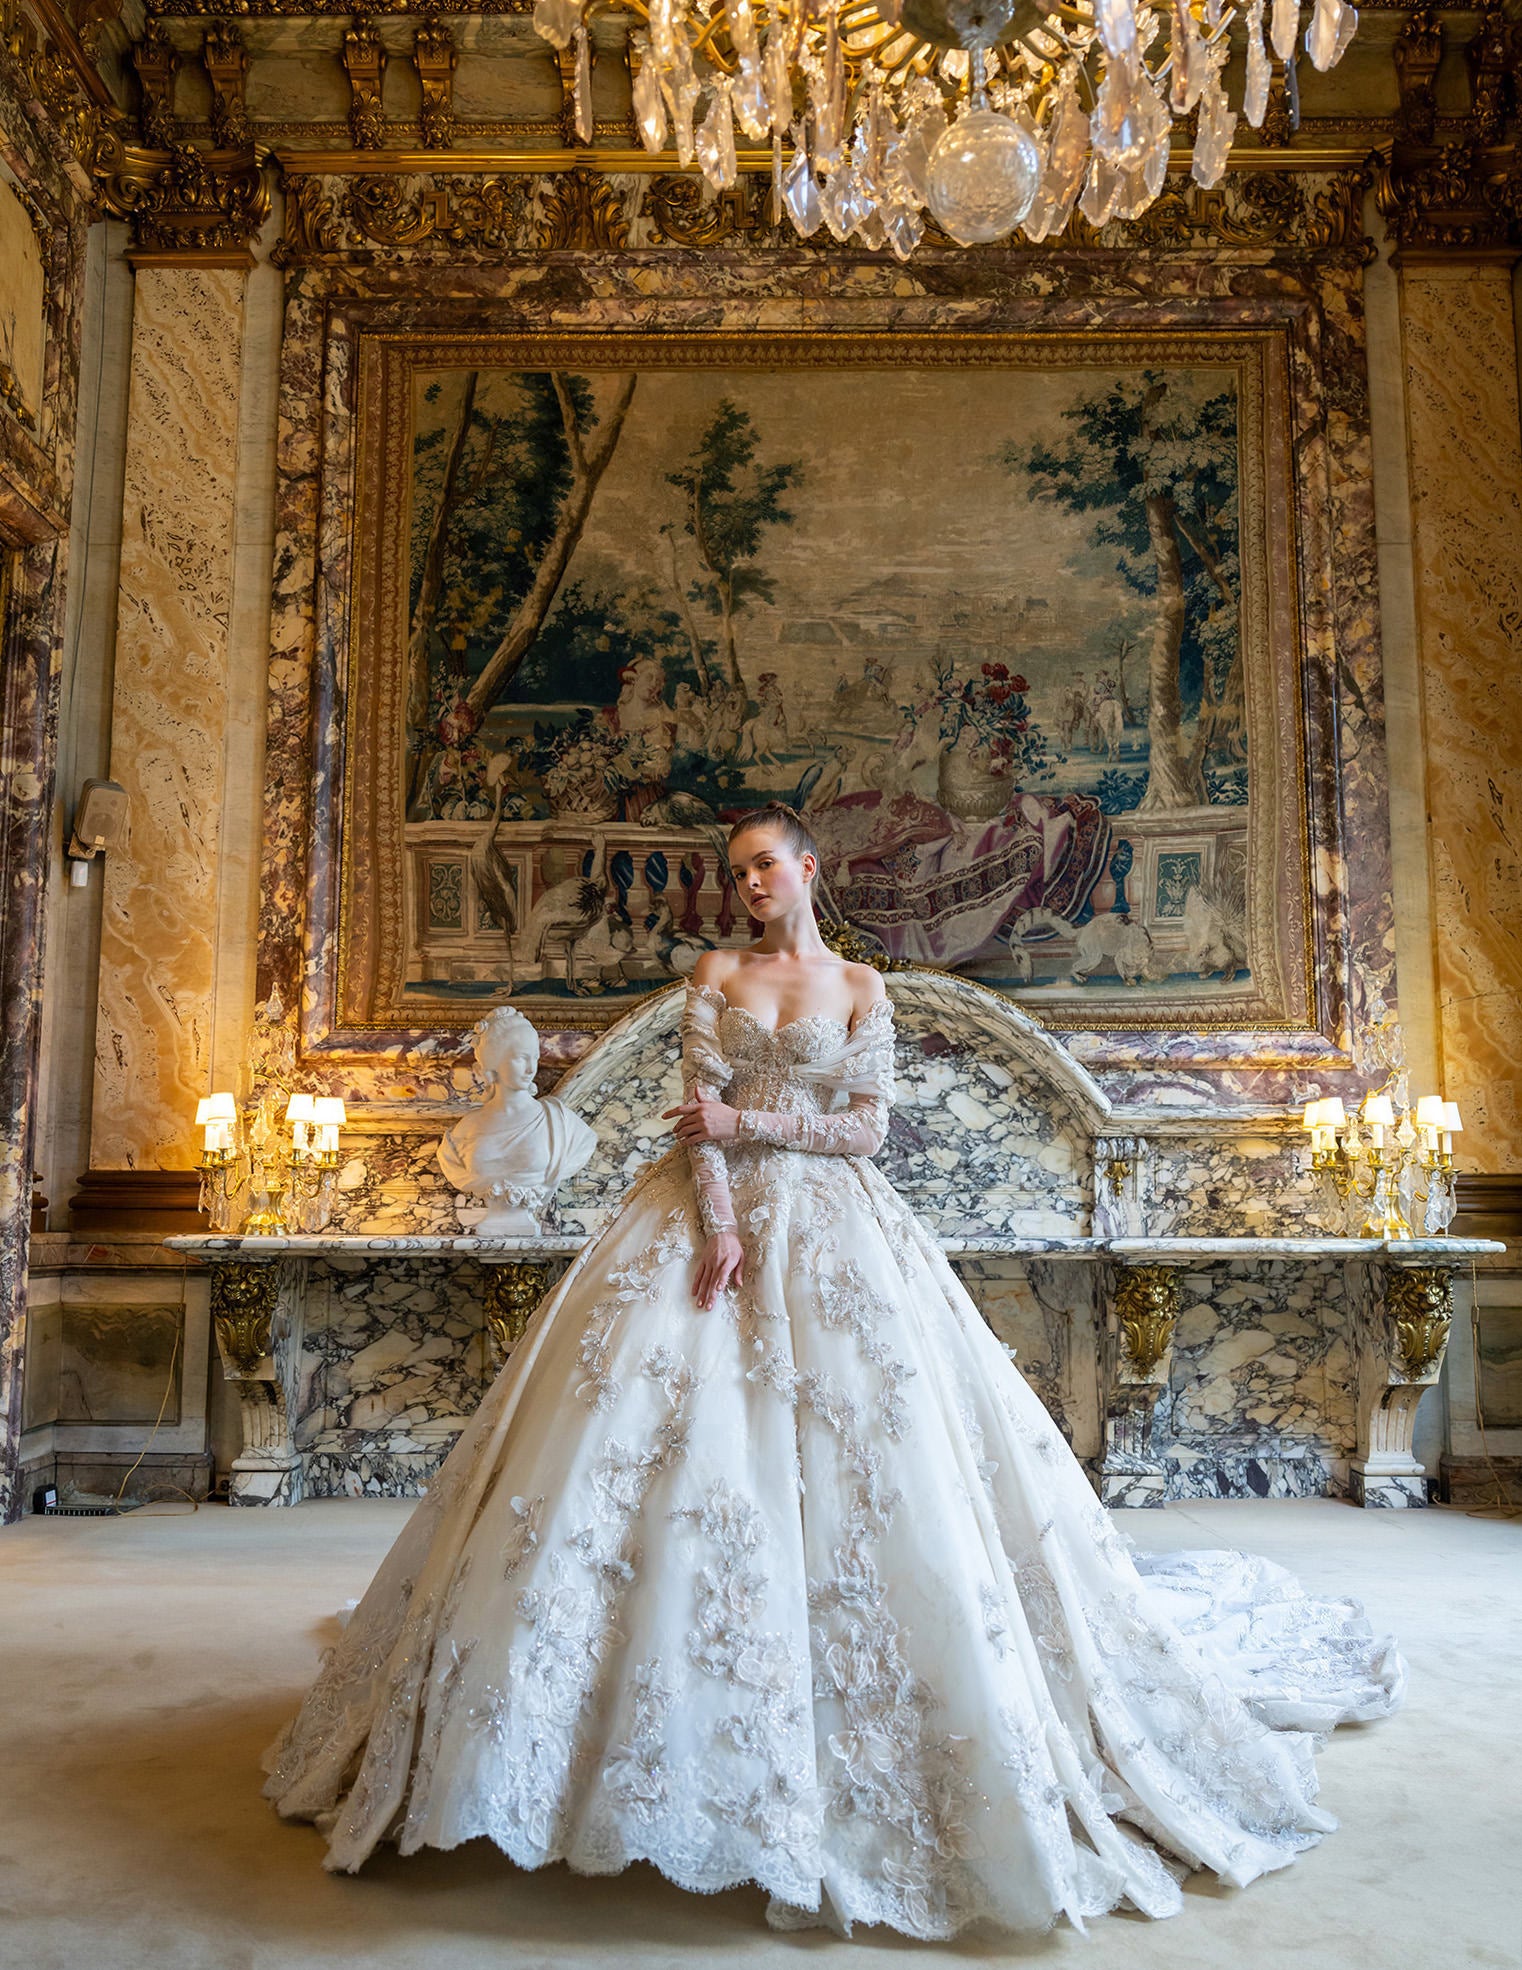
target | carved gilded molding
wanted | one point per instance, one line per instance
(575, 206)
(1452, 186)
(226, 63)
(513, 1290)
(1146, 1310)
(364, 60)
(49, 67)
(185, 204)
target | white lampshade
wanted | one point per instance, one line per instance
(1333, 1114)
(1378, 1111)
(1429, 1111)
(299, 1109)
(1451, 1121)
(1311, 1119)
(328, 1108)
(217, 1108)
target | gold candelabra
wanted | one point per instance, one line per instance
(286, 1165)
(1389, 1161)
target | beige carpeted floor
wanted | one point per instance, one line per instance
(145, 1661)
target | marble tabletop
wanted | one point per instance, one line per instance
(1127, 1251)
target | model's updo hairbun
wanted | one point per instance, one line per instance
(775, 814)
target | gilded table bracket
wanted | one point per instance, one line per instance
(1136, 1357)
(256, 1317)
(1402, 1336)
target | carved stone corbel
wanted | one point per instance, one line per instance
(157, 63)
(1136, 1359)
(1417, 53)
(255, 1316)
(1401, 1348)
(226, 63)
(364, 60)
(435, 59)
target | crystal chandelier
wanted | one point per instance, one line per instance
(991, 114)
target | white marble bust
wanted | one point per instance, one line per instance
(514, 1149)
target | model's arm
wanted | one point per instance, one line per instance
(858, 1130)
(705, 1073)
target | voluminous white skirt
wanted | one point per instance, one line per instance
(809, 1591)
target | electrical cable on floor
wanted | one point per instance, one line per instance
(162, 1490)
(1505, 1506)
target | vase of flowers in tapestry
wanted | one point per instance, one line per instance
(987, 740)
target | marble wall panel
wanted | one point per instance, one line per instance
(394, 1361)
(159, 933)
(1260, 1396)
(1465, 465)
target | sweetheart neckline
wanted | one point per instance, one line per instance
(772, 1031)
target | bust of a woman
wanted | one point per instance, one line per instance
(514, 1149)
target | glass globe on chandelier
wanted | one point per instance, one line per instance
(990, 114)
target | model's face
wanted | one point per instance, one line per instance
(768, 875)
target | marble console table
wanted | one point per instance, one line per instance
(1399, 1295)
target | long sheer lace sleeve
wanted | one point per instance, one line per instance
(706, 1073)
(862, 1071)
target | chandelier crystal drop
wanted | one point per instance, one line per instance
(990, 114)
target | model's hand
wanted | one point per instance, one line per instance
(722, 1264)
(702, 1120)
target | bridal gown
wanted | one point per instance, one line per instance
(808, 1590)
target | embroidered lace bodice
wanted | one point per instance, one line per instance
(787, 1082)
(808, 1590)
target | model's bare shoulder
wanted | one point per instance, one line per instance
(712, 969)
(867, 987)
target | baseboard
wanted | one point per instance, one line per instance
(136, 1200)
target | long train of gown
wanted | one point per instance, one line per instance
(808, 1590)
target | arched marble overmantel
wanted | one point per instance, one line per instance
(992, 1132)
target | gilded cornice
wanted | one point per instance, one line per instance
(444, 210)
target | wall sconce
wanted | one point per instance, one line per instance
(100, 824)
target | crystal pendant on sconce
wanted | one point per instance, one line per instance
(982, 176)
(1284, 25)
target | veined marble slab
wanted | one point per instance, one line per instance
(1409, 1251)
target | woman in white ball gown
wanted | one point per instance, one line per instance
(761, 1561)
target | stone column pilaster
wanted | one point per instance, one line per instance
(1464, 446)
(169, 716)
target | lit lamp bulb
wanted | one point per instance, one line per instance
(299, 1113)
(217, 1114)
(328, 1116)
